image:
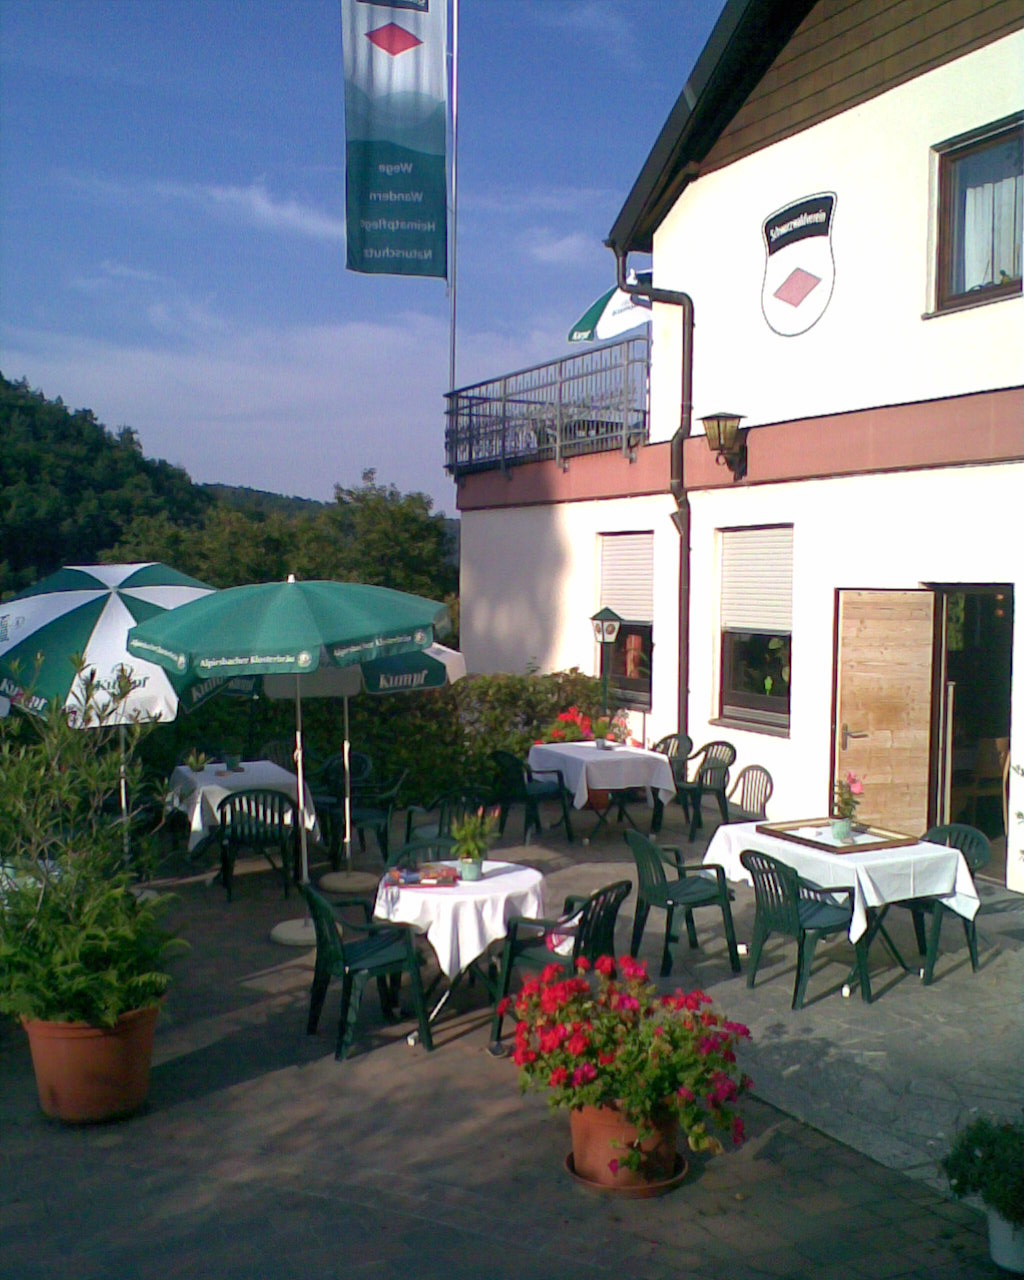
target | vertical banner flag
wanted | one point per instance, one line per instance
(396, 109)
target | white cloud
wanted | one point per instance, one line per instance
(251, 205)
(292, 410)
(576, 248)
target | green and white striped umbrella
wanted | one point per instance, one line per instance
(613, 313)
(87, 611)
(299, 630)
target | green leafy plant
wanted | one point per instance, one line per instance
(472, 836)
(987, 1160)
(847, 796)
(607, 1037)
(78, 941)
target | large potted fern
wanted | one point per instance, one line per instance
(82, 950)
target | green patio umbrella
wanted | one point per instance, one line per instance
(430, 668)
(295, 629)
(613, 313)
(85, 612)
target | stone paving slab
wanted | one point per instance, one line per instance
(260, 1156)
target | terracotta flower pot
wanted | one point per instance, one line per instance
(600, 1138)
(84, 1074)
(598, 800)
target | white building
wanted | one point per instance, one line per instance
(836, 202)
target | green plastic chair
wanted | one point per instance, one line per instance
(519, 784)
(711, 779)
(788, 904)
(373, 809)
(589, 921)
(977, 850)
(750, 793)
(421, 849)
(262, 821)
(694, 886)
(386, 952)
(677, 746)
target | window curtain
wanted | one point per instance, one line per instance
(987, 250)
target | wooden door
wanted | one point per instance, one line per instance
(882, 726)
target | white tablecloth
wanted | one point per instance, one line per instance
(462, 922)
(586, 767)
(887, 875)
(197, 795)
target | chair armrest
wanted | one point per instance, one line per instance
(812, 892)
(573, 903)
(535, 773)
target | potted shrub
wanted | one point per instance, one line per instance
(987, 1160)
(471, 838)
(82, 952)
(633, 1067)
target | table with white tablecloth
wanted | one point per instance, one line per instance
(587, 767)
(197, 794)
(878, 877)
(462, 920)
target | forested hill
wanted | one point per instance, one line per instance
(73, 492)
(69, 488)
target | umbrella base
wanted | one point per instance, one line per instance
(294, 933)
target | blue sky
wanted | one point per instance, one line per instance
(172, 209)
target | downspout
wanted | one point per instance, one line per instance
(681, 516)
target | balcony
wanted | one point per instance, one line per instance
(595, 402)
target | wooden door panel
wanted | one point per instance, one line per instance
(884, 696)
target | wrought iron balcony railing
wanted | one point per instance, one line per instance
(593, 402)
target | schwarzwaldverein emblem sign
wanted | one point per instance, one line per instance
(799, 270)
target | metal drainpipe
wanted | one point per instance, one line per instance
(681, 516)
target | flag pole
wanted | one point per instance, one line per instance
(454, 226)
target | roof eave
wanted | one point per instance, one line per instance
(746, 39)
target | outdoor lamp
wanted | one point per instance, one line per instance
(727, 441)
(606, 623)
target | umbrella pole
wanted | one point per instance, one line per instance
(348, 794)
(301, 784)
(123, 788)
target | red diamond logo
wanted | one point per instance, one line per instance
(393, 39)
(796, 286)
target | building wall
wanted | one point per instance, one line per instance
(531, 581)
(871, 345)
(957, 525)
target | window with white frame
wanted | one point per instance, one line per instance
(627, 587)
(981, 215)
(757, 623)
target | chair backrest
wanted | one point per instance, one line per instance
(331, 776)
(678, 748)
(329, 947)
(752, 790)
(280, 752)
(511, 783)
(650, 869)
(360, 767)
(595, 924)
(457, 805)
(715, 759)
(776, 892)
(256, 818)
(421, 849)
(971, 842)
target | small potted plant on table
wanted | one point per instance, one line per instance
(471, 838)
(987, 1160)
(82, 952)
(848, 792)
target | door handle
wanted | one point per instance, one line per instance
(847, 734)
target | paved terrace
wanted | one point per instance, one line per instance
(260, 1156)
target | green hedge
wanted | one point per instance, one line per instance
(441, 739)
